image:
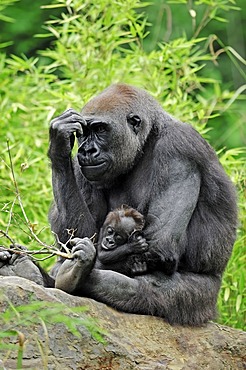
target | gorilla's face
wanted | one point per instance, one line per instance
(107, 148)
(121, 226)
(114, 132)
(93, 154)
(117, 232)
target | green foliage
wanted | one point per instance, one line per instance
(97, 43)
(172, 19)
(19, 22)
(232, 302)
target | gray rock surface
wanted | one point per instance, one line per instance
(132, 341)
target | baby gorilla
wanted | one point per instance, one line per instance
(122, 247)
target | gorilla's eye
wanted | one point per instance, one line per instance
(99, 128)
(85, 131)
(134, 120)
(110, 230)
(120, 239)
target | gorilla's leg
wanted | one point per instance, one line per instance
(186, 299)
(183, 298)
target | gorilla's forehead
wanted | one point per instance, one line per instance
(115, 98)
(127, 224)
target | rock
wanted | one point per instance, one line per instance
(132, 341)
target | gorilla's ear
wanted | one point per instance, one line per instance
(134, 121)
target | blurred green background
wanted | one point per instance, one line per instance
(190, 55)
(169, 20)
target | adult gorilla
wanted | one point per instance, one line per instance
(132, 152)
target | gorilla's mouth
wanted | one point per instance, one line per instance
(107, 248)
(94, 171)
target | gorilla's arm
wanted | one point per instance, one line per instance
(122, 251)
(69, 200)
(170, 212)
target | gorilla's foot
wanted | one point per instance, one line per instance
(73, 272)
(17, 264)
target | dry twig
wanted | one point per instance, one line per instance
(49, 250)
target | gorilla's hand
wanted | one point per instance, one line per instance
(138, 244)
(13, 264)
(170, 264)
(5, 256)
(62, 130)
(167, 263)
(73, 271)
(139, 265)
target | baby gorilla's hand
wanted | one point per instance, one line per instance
(139, 265)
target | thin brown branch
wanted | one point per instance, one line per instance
(5, 234)
(50, 250)
(11, 214)
(17, 249)
(205, 20)
(20, 201)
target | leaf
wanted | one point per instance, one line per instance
(8, 333)
(238, 302)
(226, 294)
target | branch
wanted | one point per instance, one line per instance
(49, 250)
(20, 201)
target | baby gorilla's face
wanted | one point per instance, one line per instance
(118, 232)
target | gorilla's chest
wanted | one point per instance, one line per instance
(134, 192)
